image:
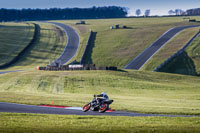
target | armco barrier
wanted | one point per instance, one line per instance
(176, 54)
(83, 67)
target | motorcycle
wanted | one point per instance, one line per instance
(95, 106)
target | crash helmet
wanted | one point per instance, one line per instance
(103, 93)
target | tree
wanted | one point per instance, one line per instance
(182, 12)
(147, 13)
(138, 12)
(179, 12)
(171, 12)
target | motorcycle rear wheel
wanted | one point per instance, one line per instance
(103, 108)
(86, 107)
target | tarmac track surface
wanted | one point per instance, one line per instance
(143, 57)
(4, 72)
(22, 108)
(73, 42)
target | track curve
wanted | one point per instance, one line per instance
(143, 57)
(73, 42)
(22, 108)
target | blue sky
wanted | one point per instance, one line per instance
(157, 7)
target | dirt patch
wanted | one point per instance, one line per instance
(122, 52)
(82, 29)
(58, 31)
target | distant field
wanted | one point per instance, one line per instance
(138, 91)
(14, 37)
(49, 45)
(23, 123)
(118, 47)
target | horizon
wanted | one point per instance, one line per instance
(157, 7)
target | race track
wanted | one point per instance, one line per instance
(4, 72)
(73, 42)
(143, 57)
(21, 108)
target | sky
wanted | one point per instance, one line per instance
(157, 7)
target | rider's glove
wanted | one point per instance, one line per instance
(95, 95)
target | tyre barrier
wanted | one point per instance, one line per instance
(76, 67)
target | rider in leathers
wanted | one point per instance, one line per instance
(102, 97)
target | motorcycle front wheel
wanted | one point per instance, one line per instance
(103, 108)
(86, 107)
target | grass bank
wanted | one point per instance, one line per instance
(138, 91)
(193, 52)
(14, 37)
(23, 123)
(177, 43)
(186, 63)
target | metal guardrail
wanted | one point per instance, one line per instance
(177, 53)
(76, 67)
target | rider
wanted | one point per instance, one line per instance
(103, 96)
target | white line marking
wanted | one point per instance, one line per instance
(74, 108)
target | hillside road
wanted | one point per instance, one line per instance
(143, 57)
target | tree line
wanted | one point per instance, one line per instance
(188, 12)
(66, 13)
(177, 12)
(195, 11)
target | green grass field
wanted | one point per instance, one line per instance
(14, 37)
(23, 123)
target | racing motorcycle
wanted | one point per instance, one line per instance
(102, 106)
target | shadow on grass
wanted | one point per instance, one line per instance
(121, 70)
(182, 64)
(26, 50)
(87, 57)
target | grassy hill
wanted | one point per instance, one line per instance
(118, 47)
(48, 46)
(138, 91)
